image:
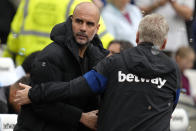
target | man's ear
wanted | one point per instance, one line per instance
(98, 26)
(137, 38)
(97, 29)
(164, 44)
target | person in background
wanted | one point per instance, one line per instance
(15, 2)
(185, 57)
(193, 30)
(194, 34)
(33, 22)
(7, 12)
(176, 12)
(99, 3)
(122, 19)
(140, 86)
(28, 62)
(7, 96)
(116, 46)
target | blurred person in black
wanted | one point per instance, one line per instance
(116, 46)
(75, 50)
(140, 86)
(6, 14)
(194, 39)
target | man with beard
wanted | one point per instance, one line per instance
(75, 50)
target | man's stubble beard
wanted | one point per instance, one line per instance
(83, 45)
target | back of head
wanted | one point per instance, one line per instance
(123, 44)
(24, 80)
(116, 46)
(27, 64)
(153, 28)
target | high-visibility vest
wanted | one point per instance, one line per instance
(33, 22)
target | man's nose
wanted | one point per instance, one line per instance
(83, 27)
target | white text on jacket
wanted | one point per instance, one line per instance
(133, 78)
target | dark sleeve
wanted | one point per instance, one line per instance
(105, 66)
(59, 91)
(91, 83)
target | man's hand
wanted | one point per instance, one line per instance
(89, 119)
(155, 5)
(21, 97)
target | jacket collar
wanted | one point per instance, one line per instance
(145, 44)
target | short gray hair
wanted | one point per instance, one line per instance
(153, 28)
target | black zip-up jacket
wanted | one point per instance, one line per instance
(140, 87)
(60, 61)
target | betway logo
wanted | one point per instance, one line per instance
(133, 78)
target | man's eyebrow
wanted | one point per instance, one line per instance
(90, 23)
(78, 19)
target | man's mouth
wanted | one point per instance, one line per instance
(81, 36)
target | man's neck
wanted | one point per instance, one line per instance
(82, 50)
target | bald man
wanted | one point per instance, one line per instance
(76, 48)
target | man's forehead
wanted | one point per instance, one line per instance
(86, 17)
(87, 5)
(87, 9)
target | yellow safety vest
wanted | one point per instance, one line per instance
(33, 22)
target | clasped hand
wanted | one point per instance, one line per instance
(21, 97)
